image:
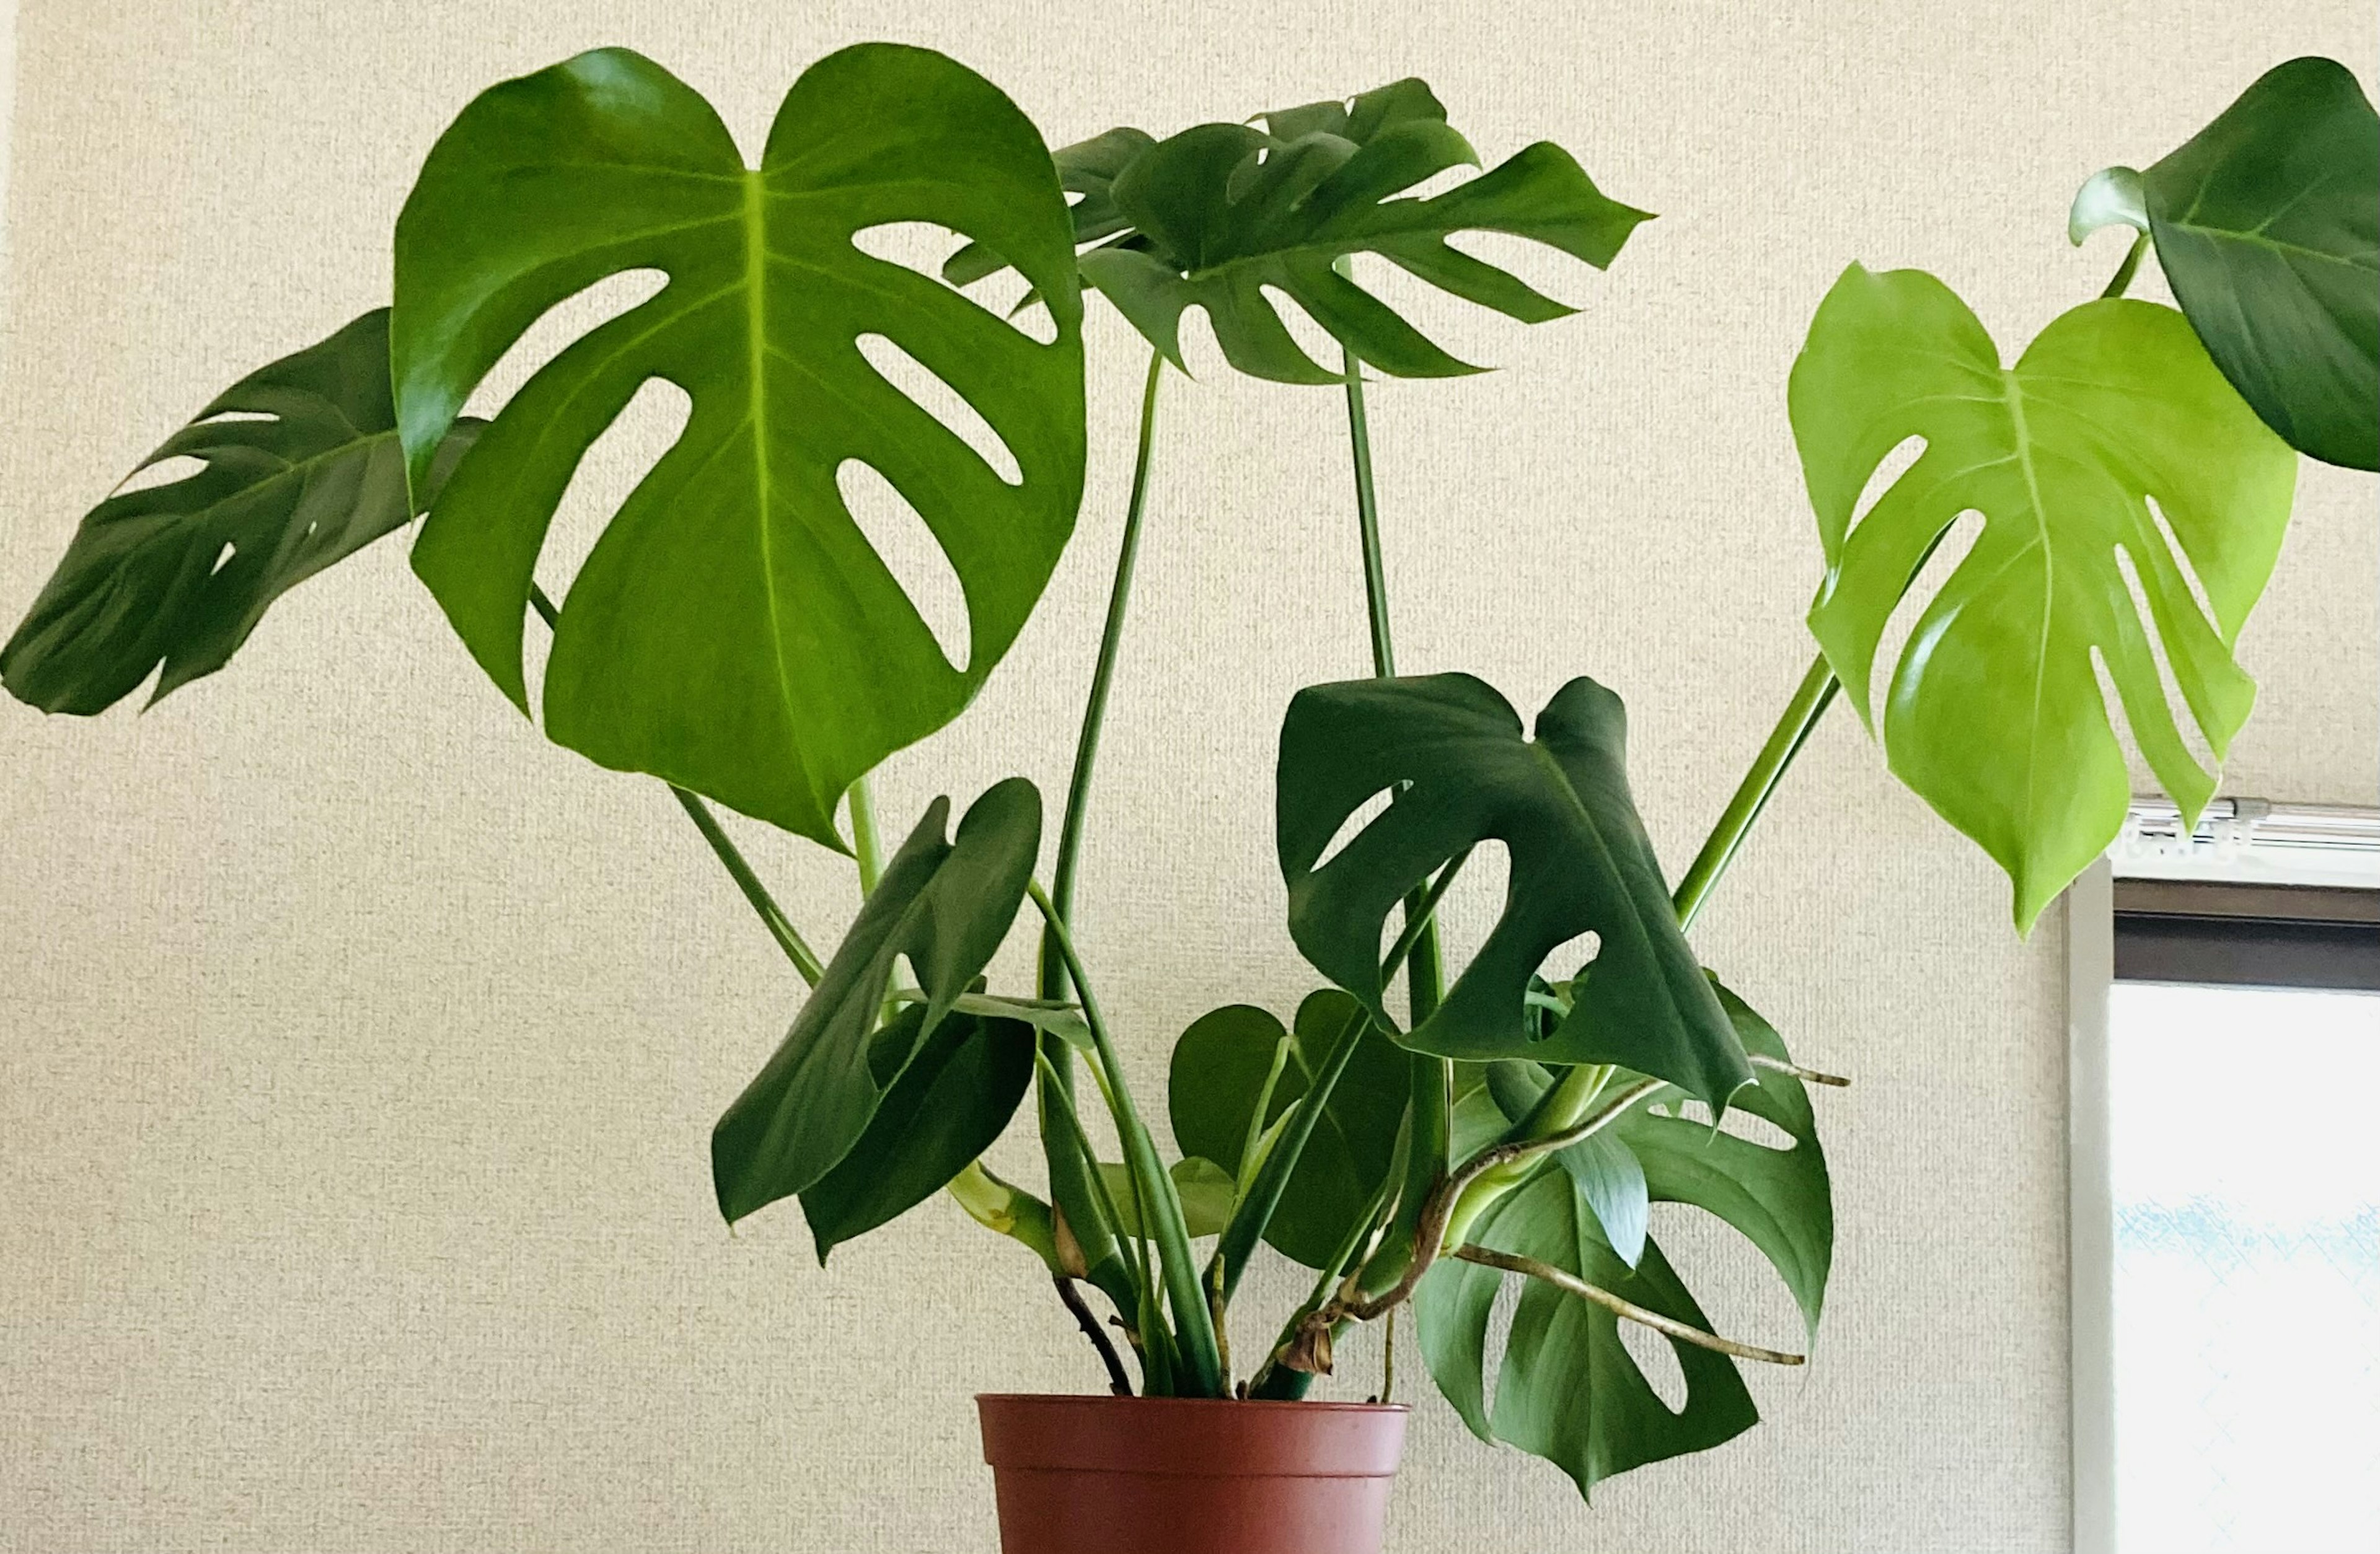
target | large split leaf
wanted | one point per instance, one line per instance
(1219, 214)
(733, 630)
(948, 1100)
(943, 904)
(1219, 1069)
(2268, 224)
(1463, 772)
(1567, 1388)
(1994, 712)
(301, 469)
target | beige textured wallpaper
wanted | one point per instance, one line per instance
(359, 1050)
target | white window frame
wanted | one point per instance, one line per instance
(2244, 840)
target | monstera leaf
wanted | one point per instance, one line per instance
(1216, 216)
(301, 468)
(949, 1103)
(1220, 1067)
(732, 629)
(946, 905)
(1453, 753)
(2268, 224)
(1567, 1388)
(1994, 714)
(1087, 168)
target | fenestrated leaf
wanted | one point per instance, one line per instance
(1463, 772)
(1781, 1199)
(1994, 713)
(944, 1108)
(1607, 1172)
(1205, 1190)
(301, 468)
(2268, 222)
(1223, 211)
(946, 905)
(1087, 168)
(1219, 1068)
(733, 630)
(1567, 1388)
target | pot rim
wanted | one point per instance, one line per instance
(1299, 1405)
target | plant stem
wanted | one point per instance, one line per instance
(1118, 1382)
(865, 847)
(1255, 1212)
(1163, 1219)
(1571, 1284)
(1811, 699)
(2123, 279)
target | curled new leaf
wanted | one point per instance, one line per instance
(946, 905)
(732, 629)
(1462, 771)
(300, 468)
(1994, 712)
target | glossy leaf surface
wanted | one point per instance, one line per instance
(2268, 224)
(732, 629)
(300, 468)
(1464, 772)
(943, 904)
(1994, 712)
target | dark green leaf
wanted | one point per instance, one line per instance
(1995, 713)
(1219, 1068)
(301, 469)
(732, 629)
(1087, 168)
(2268, 222)
(946, 905)
(1454, 753)
(1567, 1388)
(1206, 1189)
(949, 1104)
(1605, 1169)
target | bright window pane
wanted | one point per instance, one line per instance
(2246, 1174)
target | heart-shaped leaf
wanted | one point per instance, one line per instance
(946, 905)
(1220, 1067)
(1221, 213)
(733, 630)
(950, 1102)
(2268, 224)
(1994, 714)
(1462, 771)
(1206, 1189)
(1567, 1388)
(301, 468)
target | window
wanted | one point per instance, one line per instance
(2226, 1193)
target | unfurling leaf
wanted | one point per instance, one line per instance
(732, 629)
(946, 905)
(1994, 713)
(301, 468)
(1463, 772)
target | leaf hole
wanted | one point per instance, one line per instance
(1657, 1361)
(1756, 1129)
(164, 472)
(1896, 645)
(1478, 896)
(558, 328)
(1353, 825)
(1544, 269)
(229, 417)
(1445, 180)
(937, 398)
(922, 246)
(910, 551)
(1320, 345)
(1466, 332)
(223, 557)
(1572, 956)
(1887, 474)
(2168, 690)
(2184, 565)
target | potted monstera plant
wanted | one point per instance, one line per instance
(1413, 1135)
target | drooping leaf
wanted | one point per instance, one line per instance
(1567, 1388)
(2268, 224)
(301, 469)
(1087, 168)
(942, 1108)
(946, 905)
(1221, 212)
(1994, 712)
(1219, 1068)
(1781, 1199)
(1463, 772)
(1204, 1188)
(733, 630)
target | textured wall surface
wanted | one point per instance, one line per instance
(357, 1050)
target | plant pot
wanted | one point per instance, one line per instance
(1176, 1476)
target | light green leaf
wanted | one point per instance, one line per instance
(941, 1108)
(1464, 772)
(2268, 222)
(1994, 712)
(1567, 1388)
(733, 630)
(946, 905)
(1204, 1188)
(1218, 1067)
(301, 469)
(2110, 197)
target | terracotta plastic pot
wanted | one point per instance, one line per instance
(1174, 1475)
